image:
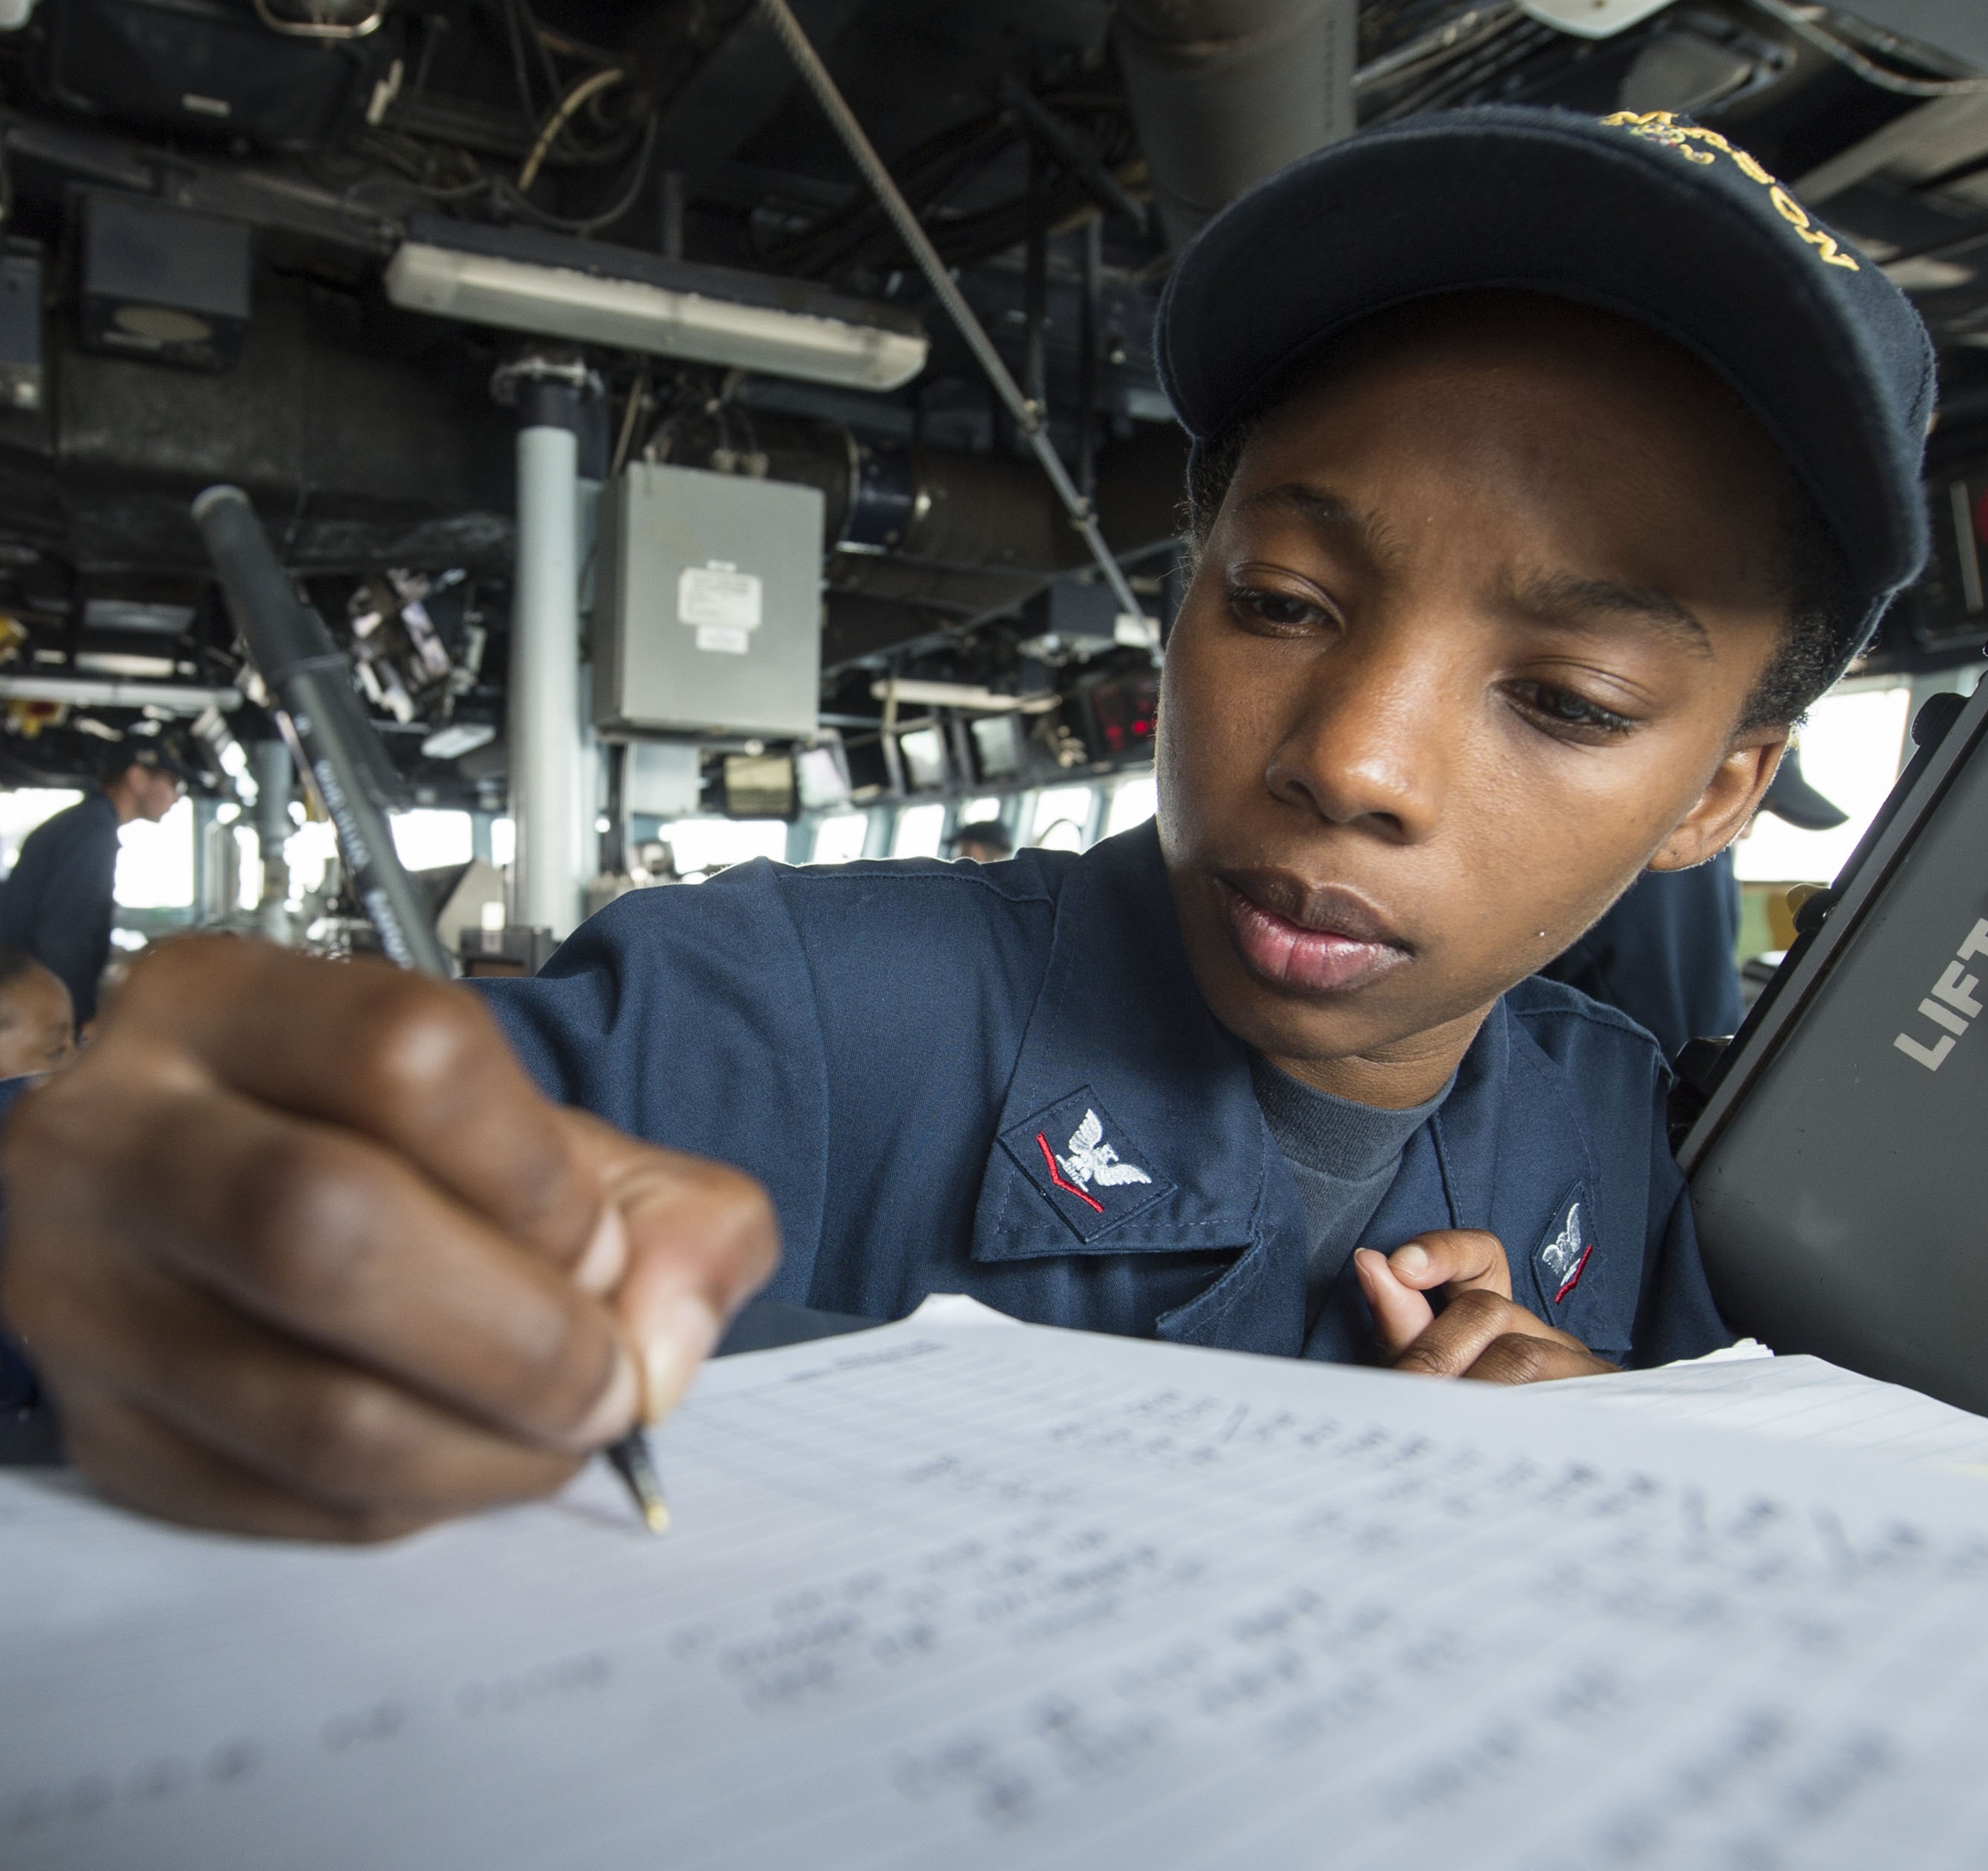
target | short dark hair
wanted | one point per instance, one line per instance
(989, 832)
(1823, 606)
(149, 755)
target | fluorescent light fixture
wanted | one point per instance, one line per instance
(169, 698)
(124, 613)
(118, 663)
(960, 695)
(592, 294)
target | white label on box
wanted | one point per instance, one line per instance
(722, 637)
(718, 594)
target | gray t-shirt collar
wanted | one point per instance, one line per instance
(1334, 1135)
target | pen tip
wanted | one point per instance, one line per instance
(631, 1458)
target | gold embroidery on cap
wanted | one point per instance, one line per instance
(1662, 127)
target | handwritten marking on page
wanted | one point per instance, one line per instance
(951, 1597)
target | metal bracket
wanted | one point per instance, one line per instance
(536, 367)
(317, 29)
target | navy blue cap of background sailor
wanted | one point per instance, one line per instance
(1647, 215)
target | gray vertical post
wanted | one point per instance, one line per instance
(1035, 366)
(275, 777)
(205, 883)
(1021, 825)
(1092, 235)
(590, 775)
(543, 751)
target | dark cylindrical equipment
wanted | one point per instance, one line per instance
(1227, 92)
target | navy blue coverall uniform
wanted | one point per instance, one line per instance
(57, 902)
(1664, 955)
(1002, 1080)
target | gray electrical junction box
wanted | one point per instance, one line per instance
(706, 613)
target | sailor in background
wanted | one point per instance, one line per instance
(37, 1027)
(986, 841)
(1664, 954)
(57, 900)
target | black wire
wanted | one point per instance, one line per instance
(350, 197)
(1439, 51)
(1479, 64)
(566, 154)
(568, 47)
(528, 21)
(412, 157)
(1385, 29)
(925, 175)
(1517, 73)
(408, 166)
(859, 235)
(638, 177)
(520, 73)
(523, 25)
(435, 28)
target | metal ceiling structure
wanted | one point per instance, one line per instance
(213, 211)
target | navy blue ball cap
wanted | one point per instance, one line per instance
(1647, 215)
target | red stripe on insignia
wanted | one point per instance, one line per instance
(1056, 1176)
(1572, 1279)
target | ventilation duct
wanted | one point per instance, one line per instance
(1227, 92)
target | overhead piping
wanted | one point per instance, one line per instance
(1027, 413)
(1900, 83)
(1227, 92)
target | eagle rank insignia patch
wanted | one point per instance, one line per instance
(1091, 1156)
(1092, 1172)
(1564, 1255)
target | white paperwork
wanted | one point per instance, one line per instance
(951, 1596)
(1798, 1399)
